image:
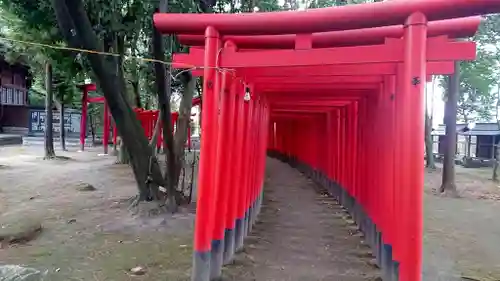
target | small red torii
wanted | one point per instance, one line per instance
(146, 117)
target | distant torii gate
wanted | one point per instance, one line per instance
(146, 117)
(350, 78)
(86, 88)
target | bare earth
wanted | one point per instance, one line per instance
(301, 235)
(87, 235)
(462, 236)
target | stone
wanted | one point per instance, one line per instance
(83, 186)
(138, 270)
(19, 230)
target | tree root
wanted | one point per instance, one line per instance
(134, 202)
(56, 157)
(166, 204)
(449, 190)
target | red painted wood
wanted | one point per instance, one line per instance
(413, 95)
(223, 160)
(364, 99)
(206, 189)
(454, 28)
(325, 19)
(437, 51)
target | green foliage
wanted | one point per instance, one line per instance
(33, 21)
(478, 79)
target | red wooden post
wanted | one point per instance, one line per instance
(252, 181)
(237, 212)
(343, 148)
(232, 172)
(260, 158)
(241, 218)
(248, 164)
(391, 91)
(206, 189)
(263, 147)
(222, 161)
(330, 144)
(414, 81)
(355, 149)
(388, 177)
(399, 156)
(83, 119)
(363, 190)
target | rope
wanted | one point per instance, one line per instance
(127, 57)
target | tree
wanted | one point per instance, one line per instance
(429, 143)
(448, 185)
(163, 82)
(72, 16)
(48, 136)
(489, 35)
(33, 21)
(75, 24)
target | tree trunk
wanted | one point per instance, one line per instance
(135, 73)
(497, 164)
(122, 156)
(448, 185)
(469, 143)
(137, 95)
(162, 83)
(429, 143)
(144, 165)
(49, 138)
(92, 128)
(62, 130)
(154, 139)
(119, 45)
(1, 115)
(183, 122)
(497, 161)
(496, 147)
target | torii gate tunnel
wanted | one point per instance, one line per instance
(339, 92)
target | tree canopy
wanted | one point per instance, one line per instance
(479, 79)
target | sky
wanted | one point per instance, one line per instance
(435, 104)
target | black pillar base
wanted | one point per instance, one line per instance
(216, 259)
(201, 266)
(229, 246)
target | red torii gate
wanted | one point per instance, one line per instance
(362, 100)
(146, 117)
(86, 88)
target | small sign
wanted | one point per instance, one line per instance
(71, 121)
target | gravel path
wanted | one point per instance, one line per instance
(301, 235)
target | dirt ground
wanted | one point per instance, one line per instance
(461, 236)
(91, 235)
(87, 235)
